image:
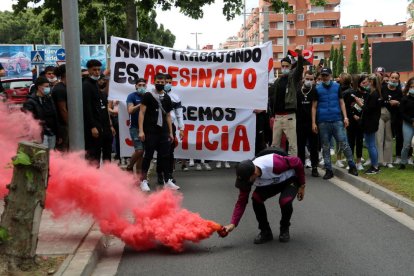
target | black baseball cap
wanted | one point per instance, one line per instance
(326, 71)
(244, 170)
(141, 80)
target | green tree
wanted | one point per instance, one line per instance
(353, 61)
(366, 65)
(278, 5)
(335, 62)
(331, 56)
(340, 60)
(26, 28)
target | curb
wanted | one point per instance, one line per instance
(395, 200)
(86, 257)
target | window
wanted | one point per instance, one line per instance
(279, 25)
(355, 37)
(317, 24)
(301, 32)
(302, 47)
(280, 55)
(343, 37)
(301, 17)
(318, 40)
(319, 55)
(317, 9)
(280, 41)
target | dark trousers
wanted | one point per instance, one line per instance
(396, 126)
(99, 147)
(115, 124)
(171, 159)
(355, 138)
(162, 144)
(288, 191)
(305, 136)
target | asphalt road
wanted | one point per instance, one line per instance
(332, 233)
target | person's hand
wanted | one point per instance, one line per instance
(356, 118)
(59, 141)
(298, 50)
(301, 193)
(141, 136)
(315, 128)
(346, 122)
(229, 227)
(394, 102)
(181, 134)
(113, 131)
(358, 101)
(171, 138)
(95, 132)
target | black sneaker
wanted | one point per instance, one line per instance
(263, 236)
(372, 170)
(284, 235)
(328, 174)
(353, 170)
(402, 167)
(160, 179)
(315, 172)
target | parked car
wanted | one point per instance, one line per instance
(16, 91)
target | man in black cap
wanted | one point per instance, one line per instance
(329, 118)
(271, 174)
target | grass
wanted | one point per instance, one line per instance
(398, 181)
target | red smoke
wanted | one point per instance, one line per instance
(108, 194)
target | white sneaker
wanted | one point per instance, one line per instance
(339, 164)
(359, 167)
(332, 152)
(198, 167)
(191, 163)
(367, 163)
(308, 163)
(362, 159)
(410, 161)
(170, 185)
(397, 160)
(227, 165)
(207, 166)
(218, 165)
(144, 186)
(389, 165)
(322, 162)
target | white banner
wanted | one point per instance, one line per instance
(224, 134)
(235, 78)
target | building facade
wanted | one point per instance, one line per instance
(313, 26)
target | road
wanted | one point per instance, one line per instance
(332, 233)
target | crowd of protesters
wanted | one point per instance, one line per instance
(309, 111)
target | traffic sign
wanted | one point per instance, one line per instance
(37, 57)
(60, 54)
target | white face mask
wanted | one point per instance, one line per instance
(308, 83)
(95, 77)
(411, 91)
(54, 79)
(285, 71)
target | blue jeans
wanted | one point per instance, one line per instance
(408, 133)
(371, 145)
(327, 130)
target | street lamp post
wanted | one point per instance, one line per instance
(196, 37)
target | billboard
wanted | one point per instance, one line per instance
(393, 56)
(16, 60)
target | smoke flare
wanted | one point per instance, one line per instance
(108, 194)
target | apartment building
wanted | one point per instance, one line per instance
(313, 26)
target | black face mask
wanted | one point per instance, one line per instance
(159, 87)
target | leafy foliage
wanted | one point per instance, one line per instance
(366, 64)
(340, 61)
(335, 62)
(353, 61)
(279, 5)
(22, 159)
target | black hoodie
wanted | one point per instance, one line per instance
(44, 110)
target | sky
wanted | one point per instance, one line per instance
(215, 29)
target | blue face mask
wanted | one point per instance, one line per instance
(141, 90)
(46, 90)
(285, 71)
(411, 91)
(393, 84)
(167, 87)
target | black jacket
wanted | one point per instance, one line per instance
(407, 109)
(44, 110)
(371, 112)
(92, 105)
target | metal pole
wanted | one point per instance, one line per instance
(73, 74)
(244, 25)
(196, 36)
(137, 21)
(284, 32)
(106, 42)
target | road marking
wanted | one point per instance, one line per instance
(109, 262)
(376, 203)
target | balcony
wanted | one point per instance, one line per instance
(311, 16)
(277, 17)
(321, 47)
(384, 29)
(322, 31)
(279, 33)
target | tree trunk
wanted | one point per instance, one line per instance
(131, 19)
(24, 205)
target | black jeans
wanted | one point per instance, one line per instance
(288, 191)
(160, 143)
(305, 136)
(171, 159)
(355, 138)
